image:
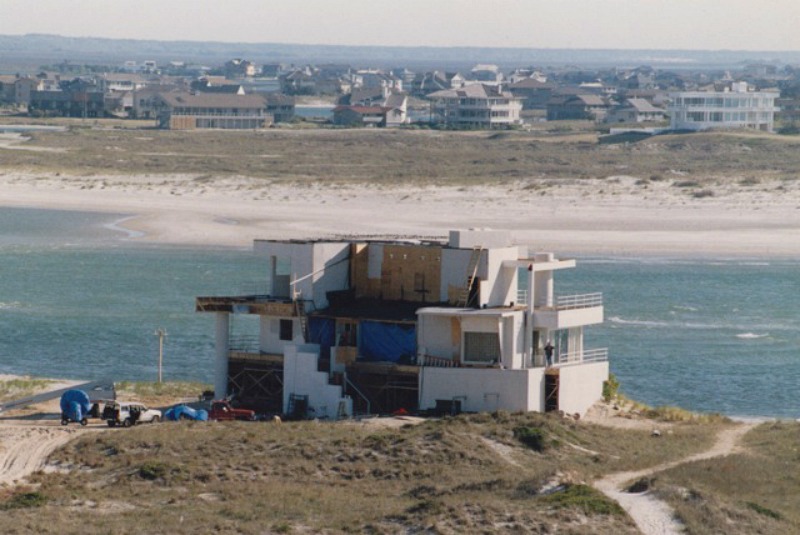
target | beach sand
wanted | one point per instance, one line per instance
(616, 216)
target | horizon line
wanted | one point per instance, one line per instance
(409, 47)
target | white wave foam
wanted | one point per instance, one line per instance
(118, 226)
(644, 323)
(10, 305)
(751, 336)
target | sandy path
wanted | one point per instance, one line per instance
(24, 447)
(651, 515)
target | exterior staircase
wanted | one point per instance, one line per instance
(472, 271)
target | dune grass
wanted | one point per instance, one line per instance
(471, 473)
(757, 487)
(414, 157)
(21, 387)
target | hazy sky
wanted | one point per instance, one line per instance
(685, 24)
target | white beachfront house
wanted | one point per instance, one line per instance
(350, 327)
(739, 107)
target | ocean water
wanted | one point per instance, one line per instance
(80, 299)
(707, 334)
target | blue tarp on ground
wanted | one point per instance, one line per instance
(387, 342)
(179, 412)
(75, 404)
(322, 331)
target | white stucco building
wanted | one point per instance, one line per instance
(379, 326)
(739, 107)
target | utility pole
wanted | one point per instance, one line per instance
(161, 333)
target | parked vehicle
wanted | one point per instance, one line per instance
(75, 407)
(127, 414)
(223, 410)
(184, 412)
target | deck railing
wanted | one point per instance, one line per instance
(581, 357)
(568, 302)
(436, 362)
(244, 343)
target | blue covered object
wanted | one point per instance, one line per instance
(75, 405)
(184, 412)
(388, 341)
(322, 331)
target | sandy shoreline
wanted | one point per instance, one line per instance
(610, 217)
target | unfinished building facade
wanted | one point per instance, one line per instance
(349, 327)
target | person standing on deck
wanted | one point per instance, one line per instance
(548, 354)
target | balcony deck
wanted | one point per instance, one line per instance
(568, 311)
(261, 305)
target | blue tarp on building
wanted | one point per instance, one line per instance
(322, 331)
(387, 342)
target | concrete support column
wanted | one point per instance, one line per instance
(221, 350)
(529, 318)
(544, 281)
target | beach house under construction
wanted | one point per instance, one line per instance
(354, 327)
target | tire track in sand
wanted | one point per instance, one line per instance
(24, 449)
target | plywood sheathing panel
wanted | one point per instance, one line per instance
(411, 273)
(359, 253)
(455, 339)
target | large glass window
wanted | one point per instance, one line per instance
(481, 347)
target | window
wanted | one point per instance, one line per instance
(347, 334)
(286, 330)
(481, 347)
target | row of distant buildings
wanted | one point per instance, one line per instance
(482, 98)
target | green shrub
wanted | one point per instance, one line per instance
(152, 471)
(760, 509)
(610, 387)
(23, 500)
(585, 498)
(533, 437)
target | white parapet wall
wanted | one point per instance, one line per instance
(301, 378)
(483, 390)
(580, 386)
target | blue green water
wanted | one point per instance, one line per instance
(718, 335)
(79, 299)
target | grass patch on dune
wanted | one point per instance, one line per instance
(406, 157)
(584, 498)
(470, 473)
(22, 387)
(160, 391)
(756, 489)
(463, 474)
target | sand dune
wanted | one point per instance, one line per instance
(616, 216)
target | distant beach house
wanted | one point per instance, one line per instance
(635, 110)
(376, 107)
(534, 93)
(737, 107)
(188, 111)
(426, 83)
(584, 107)
(348, 327)
(475, 106)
